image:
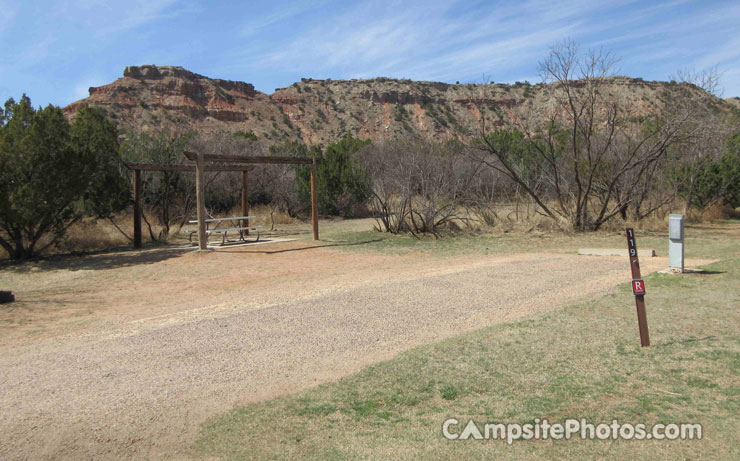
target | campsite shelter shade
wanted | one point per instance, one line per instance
(215, 162)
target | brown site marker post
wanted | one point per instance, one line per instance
(638, 288)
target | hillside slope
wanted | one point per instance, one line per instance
(322, 111)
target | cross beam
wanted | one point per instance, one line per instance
(183, 167)
(262, 159)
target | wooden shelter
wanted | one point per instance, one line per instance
(215, 162)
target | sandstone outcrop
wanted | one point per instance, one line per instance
(321, 111)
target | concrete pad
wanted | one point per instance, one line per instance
(215, 246)
(686, 270)
(263, 241)
(646, 253)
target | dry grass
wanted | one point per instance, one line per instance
(92, 235)
(719, 212)
(267, 216)
(523, 217)
(99, 234)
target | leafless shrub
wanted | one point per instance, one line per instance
(707, 131)
(389, 191)
(274, 186)
(418, 186)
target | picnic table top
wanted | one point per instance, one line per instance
(235, 218)
(223, 229)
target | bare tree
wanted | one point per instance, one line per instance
(418, 186)
(164, 190)
(709, 129)
(583, 156)
(275, 186)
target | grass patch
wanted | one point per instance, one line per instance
(702, 240)
(583, 361)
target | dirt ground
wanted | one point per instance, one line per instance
(125, 354)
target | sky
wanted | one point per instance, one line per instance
(54, 51)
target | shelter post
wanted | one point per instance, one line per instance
(200, 199)
(314, 204)
(137, 208)
(245, 203)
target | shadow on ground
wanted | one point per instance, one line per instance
(687, 341)
(311, 247)
(105, 259)
(123, 257)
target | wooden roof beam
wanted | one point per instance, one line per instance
(261, 159)
(185, 167)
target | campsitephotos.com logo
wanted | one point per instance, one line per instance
(541, 429)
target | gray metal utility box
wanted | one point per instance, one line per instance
(675, 242)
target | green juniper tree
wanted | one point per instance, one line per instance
(341, 181)
(52, 174)
(163, 191)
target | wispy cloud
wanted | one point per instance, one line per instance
(730, 79)
(429, 40)
(279, 13)
(38, 51)
(439, 40)
(105, 18)
(272, 44)
(729, 53)
(7, 14)
(139, 12)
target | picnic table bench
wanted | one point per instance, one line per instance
(224, 230)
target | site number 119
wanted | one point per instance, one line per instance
(638, 288)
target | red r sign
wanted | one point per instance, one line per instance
(638, 287)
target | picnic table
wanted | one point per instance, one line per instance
(236, 226)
